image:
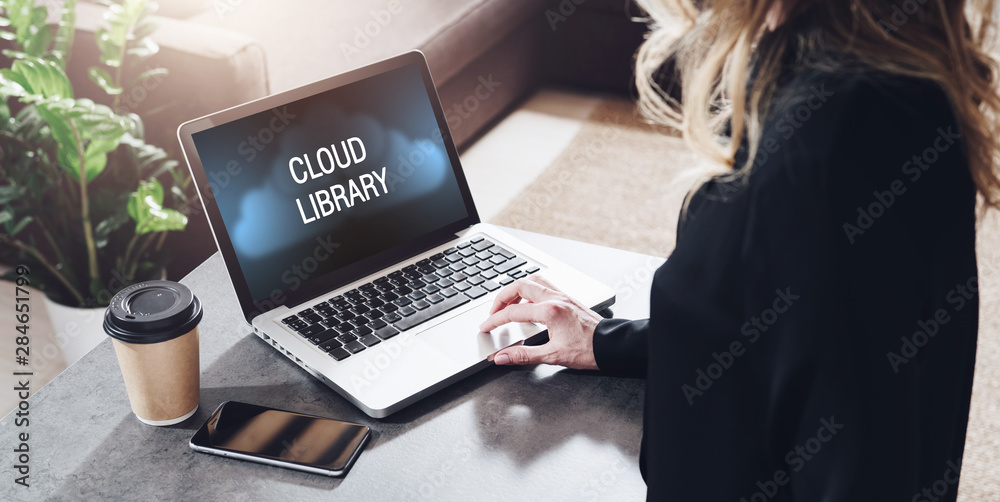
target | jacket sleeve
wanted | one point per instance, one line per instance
(620, 347)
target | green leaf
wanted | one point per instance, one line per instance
(144, 48)
(110, 52)
(120, 18)
(165, 219)
(103, 79)
(39, 15)
(10, 193)
(64, 33)
(6, 216)
(145, 206)
(9, 86)
(152, 73)
(104, 126)
(43, 78)
(138, 132)
(12, 84)
(148, 192)
(108, 225)
(20, 15)
(96, 156)
(33, 127)
(161, 166)
(21, 225)
(67, 156)
(62, 131)
(151, 161)
(39, 40)
(99, 128)
(16, 54)
(177, 192)
(144, 28)
(30, 33)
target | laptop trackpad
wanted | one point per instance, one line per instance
(459, 338)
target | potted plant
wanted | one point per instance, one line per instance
(81, 201)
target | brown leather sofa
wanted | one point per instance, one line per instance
(485, 56)
(516, 44)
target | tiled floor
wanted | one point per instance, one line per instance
(511, 155)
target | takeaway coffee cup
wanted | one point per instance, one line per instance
(154, 328)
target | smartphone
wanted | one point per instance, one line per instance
(281, 438)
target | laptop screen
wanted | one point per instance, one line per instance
(310, 187)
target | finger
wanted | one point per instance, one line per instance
(529, 290)
(542, 281)
(508, 295)
(520, 312)
(499, 304)
(555, 290)
(521, 354)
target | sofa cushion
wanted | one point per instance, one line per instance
(209, 69)
(183, 9)
(311, 39)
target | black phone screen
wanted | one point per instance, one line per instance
(281, 435)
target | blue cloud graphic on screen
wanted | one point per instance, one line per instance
(314, 185)
(414, 167)
(255, 213)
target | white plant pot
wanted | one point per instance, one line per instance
(77, 330)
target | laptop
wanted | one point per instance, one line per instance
(351, 237)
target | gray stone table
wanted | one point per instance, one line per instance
(531, 433)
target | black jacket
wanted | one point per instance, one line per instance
(813, 335)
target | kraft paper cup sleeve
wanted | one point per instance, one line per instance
(154, 327)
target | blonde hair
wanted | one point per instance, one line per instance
(712, 46)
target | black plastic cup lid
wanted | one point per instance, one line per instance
(152, 312)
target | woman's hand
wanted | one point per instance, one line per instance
(571, 324)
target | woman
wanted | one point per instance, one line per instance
(813, 334)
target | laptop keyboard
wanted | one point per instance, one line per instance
(379, 310)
